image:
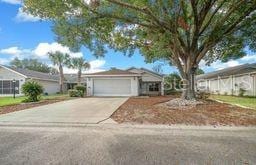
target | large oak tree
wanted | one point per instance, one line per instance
(181, 31)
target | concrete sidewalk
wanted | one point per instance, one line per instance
(84, 111)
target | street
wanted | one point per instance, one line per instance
(124, 144)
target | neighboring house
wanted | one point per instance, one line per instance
(71, 80)
(230, 81)
(130, 82)
(9, 75)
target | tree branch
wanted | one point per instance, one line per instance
(211, 17)
(144, 10)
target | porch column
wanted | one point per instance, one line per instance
(162, 87)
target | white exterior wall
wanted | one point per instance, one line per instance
(231, 85)
(213, 86)
(246, 82)
(134, 84)
(6, 74)
(50, 87)
(149, 77)
(225, 86)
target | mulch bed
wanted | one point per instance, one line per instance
(151, 111)
(22, 106)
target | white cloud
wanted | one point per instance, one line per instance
(16, 52)
(96, 66)
(13, 2)
(25, 17)
(11, 51)
(217, 65)
(43, 48)
(41, 53)
(97, 63)
(4, 61)
(249, 58)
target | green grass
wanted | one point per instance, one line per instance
(11, 101)
(243, 101)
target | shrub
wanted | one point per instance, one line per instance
(241, 92)
(81, 88)
(75, 93)
(202, 94)
(32, 90)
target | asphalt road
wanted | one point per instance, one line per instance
(108, 144)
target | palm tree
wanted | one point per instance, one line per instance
(79, 64)
(60, 59)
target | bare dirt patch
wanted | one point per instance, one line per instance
(22, 106)
(152, 111)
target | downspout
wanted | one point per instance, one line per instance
(162, 86)
(232, 85)
(218, 85)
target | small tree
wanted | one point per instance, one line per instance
(60, 59)
(79, 64)
(32, 90)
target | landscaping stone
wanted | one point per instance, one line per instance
(182, 104)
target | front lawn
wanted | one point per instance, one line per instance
(4, 101)
(10, 100)
(153, 110)
(8, 104)
(243, 101)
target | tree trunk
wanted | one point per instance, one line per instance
(188, 90)
(79, 74)
(61, 82)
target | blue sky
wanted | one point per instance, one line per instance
(25, 36)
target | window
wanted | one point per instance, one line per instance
(7, 86)
(153, 87)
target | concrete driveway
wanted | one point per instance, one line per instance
(84, 110)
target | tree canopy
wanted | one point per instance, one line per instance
(183, 32)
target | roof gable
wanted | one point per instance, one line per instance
(112, 71)
(143, 70)
(33, 74)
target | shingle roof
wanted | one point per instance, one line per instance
(113, 71)
(34, 74)
(241, 69)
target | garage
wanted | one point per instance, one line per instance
(114, 82)
(112, 87)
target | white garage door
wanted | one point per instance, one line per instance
(111, 87)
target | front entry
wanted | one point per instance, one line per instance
(150, 88)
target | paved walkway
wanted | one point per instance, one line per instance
(84, 110)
